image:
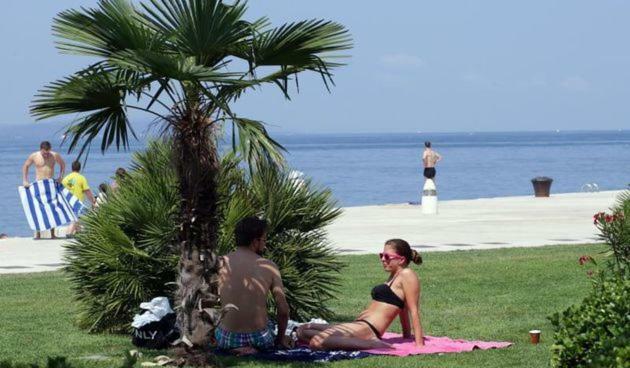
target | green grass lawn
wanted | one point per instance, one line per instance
(483, 295)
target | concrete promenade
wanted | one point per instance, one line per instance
(474, 224)
(462, 224)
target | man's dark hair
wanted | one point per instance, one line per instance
(45, 145)
(249, 229)
(76, 166)
(427, 144)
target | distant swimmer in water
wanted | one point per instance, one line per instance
(430, 158)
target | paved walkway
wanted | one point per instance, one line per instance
(474, 224)
(464, 224)
(18, 255)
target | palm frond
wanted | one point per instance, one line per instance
(207, 30)
(98, 95)
(308, 45)
(622, 201)
(170, 66)
(305, 43)
(255, 144)
(291, 204)
(112, 27)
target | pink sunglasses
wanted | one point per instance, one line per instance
(388, 257)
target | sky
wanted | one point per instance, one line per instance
(416, 66)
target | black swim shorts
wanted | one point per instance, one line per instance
(429, 172)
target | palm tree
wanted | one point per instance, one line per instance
(126, 254)
(184, 62)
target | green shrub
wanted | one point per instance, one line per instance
(614, 229)
(595, 333)
(125, 253)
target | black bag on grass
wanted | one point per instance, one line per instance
(156, 335)
(156, 328)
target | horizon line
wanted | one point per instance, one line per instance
(276, 130)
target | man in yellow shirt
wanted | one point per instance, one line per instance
(77, 184)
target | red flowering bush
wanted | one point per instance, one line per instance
(596, 332)
(614, 229)
(584, 261)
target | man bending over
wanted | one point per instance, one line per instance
(245, 280)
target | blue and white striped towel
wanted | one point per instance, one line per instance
(48, 204)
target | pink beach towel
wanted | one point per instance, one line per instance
(433, 345)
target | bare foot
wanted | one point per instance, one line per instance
(245, 350)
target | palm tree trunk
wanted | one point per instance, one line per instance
(197, 167)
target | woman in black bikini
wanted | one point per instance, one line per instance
(398, 297)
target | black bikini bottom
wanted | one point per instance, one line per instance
(371, 326)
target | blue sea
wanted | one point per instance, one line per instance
(371, 169)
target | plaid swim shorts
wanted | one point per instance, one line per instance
(263, 339)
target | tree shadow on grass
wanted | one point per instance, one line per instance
(244, 361)
(229, 361)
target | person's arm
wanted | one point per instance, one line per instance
(62, 166)
(277, 290)
(411, 288)
(404, 323)
(25, 167)
(90, 196)
(87, 191)
(437, 157)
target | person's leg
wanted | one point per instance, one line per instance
(72, 229)
(244, 351)
(306, 331)
(38, 235)
(52, 233)
(347, 336)
(347, 343)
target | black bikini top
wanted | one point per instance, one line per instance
(384, 293)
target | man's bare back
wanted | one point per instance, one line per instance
(245, 281)
(430, 158)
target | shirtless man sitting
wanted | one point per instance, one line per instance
(430, 158)
(245, 280)
(44, 161)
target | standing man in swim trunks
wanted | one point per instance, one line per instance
(245, 280)
(44, 161)
(430, 158)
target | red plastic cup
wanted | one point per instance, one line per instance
(534, 336)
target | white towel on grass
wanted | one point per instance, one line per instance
(48, 204)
